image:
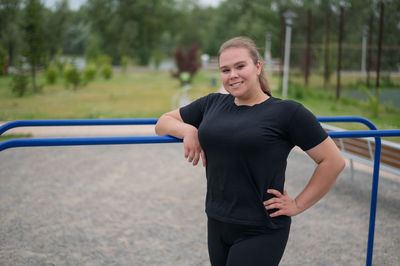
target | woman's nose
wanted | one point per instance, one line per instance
(233, 74)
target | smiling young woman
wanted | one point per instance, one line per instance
(240, 76)
(243, 139)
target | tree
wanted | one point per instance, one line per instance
(57, 23)
(77, 33)
(3, 62)
(130, 28)
(248, 18)
(33, 31)
(10, 35)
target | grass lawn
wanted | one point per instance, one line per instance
(148, 94)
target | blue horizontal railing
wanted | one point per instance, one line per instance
(373, 132)
(77, 122)
(38, 142)
(14, 143)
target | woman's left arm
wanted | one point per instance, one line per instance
(330, 164)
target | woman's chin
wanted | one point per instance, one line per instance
(235, 92)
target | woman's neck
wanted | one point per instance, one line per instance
(252, 99)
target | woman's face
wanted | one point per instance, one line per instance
(239, 74)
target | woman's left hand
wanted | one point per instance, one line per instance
(283, 203)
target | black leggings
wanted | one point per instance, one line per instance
(242, 245)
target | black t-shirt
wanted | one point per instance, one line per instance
(246, 149)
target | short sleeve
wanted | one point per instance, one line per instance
(305, 131)
(193, 113)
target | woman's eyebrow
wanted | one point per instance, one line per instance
(235, 64)
(240, 62)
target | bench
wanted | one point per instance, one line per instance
(362, 150)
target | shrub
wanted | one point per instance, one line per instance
(187, 62)
(51, 74)
(19, 84)
(92, 50)
(297, 90)
(89, 74)
(373, 101)
(125, 62)
(106, 71)
(72, 76)
(157, 56)
(59, 62)
(103, 60)
(19, 81)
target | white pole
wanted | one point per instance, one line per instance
(364, 51)
(287, 58)
(267, 53)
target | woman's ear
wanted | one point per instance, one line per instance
(259, 66)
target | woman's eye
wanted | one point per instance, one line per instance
(240, 66)
(225, 70)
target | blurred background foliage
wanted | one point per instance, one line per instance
(142, 29)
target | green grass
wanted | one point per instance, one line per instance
(136, 94)
(148, 94)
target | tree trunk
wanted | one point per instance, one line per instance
(326, 58)
(339, 65)
(308, 48)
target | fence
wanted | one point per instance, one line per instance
(373, 132)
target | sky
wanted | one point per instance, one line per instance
(75, 4)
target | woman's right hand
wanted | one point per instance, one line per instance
(193, 150)
(172, 124)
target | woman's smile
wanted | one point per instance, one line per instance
(235, 84)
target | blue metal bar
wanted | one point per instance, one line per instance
(374, 200)
(347, 119)
(86, 141)
(364, 134)
(76, 122)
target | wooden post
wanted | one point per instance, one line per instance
(378, 62)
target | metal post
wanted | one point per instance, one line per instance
(364, 50)
(287, 60)
(267, 53)
(288, 20)
(281, 49)
(374, 200)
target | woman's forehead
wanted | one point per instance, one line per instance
(233, 55)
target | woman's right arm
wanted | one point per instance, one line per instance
(171, 123)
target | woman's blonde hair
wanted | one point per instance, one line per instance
(248, 43)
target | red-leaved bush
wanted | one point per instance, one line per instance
(186, 61)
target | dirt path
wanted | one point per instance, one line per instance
(144, 205)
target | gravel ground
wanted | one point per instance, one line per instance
(144, 205)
